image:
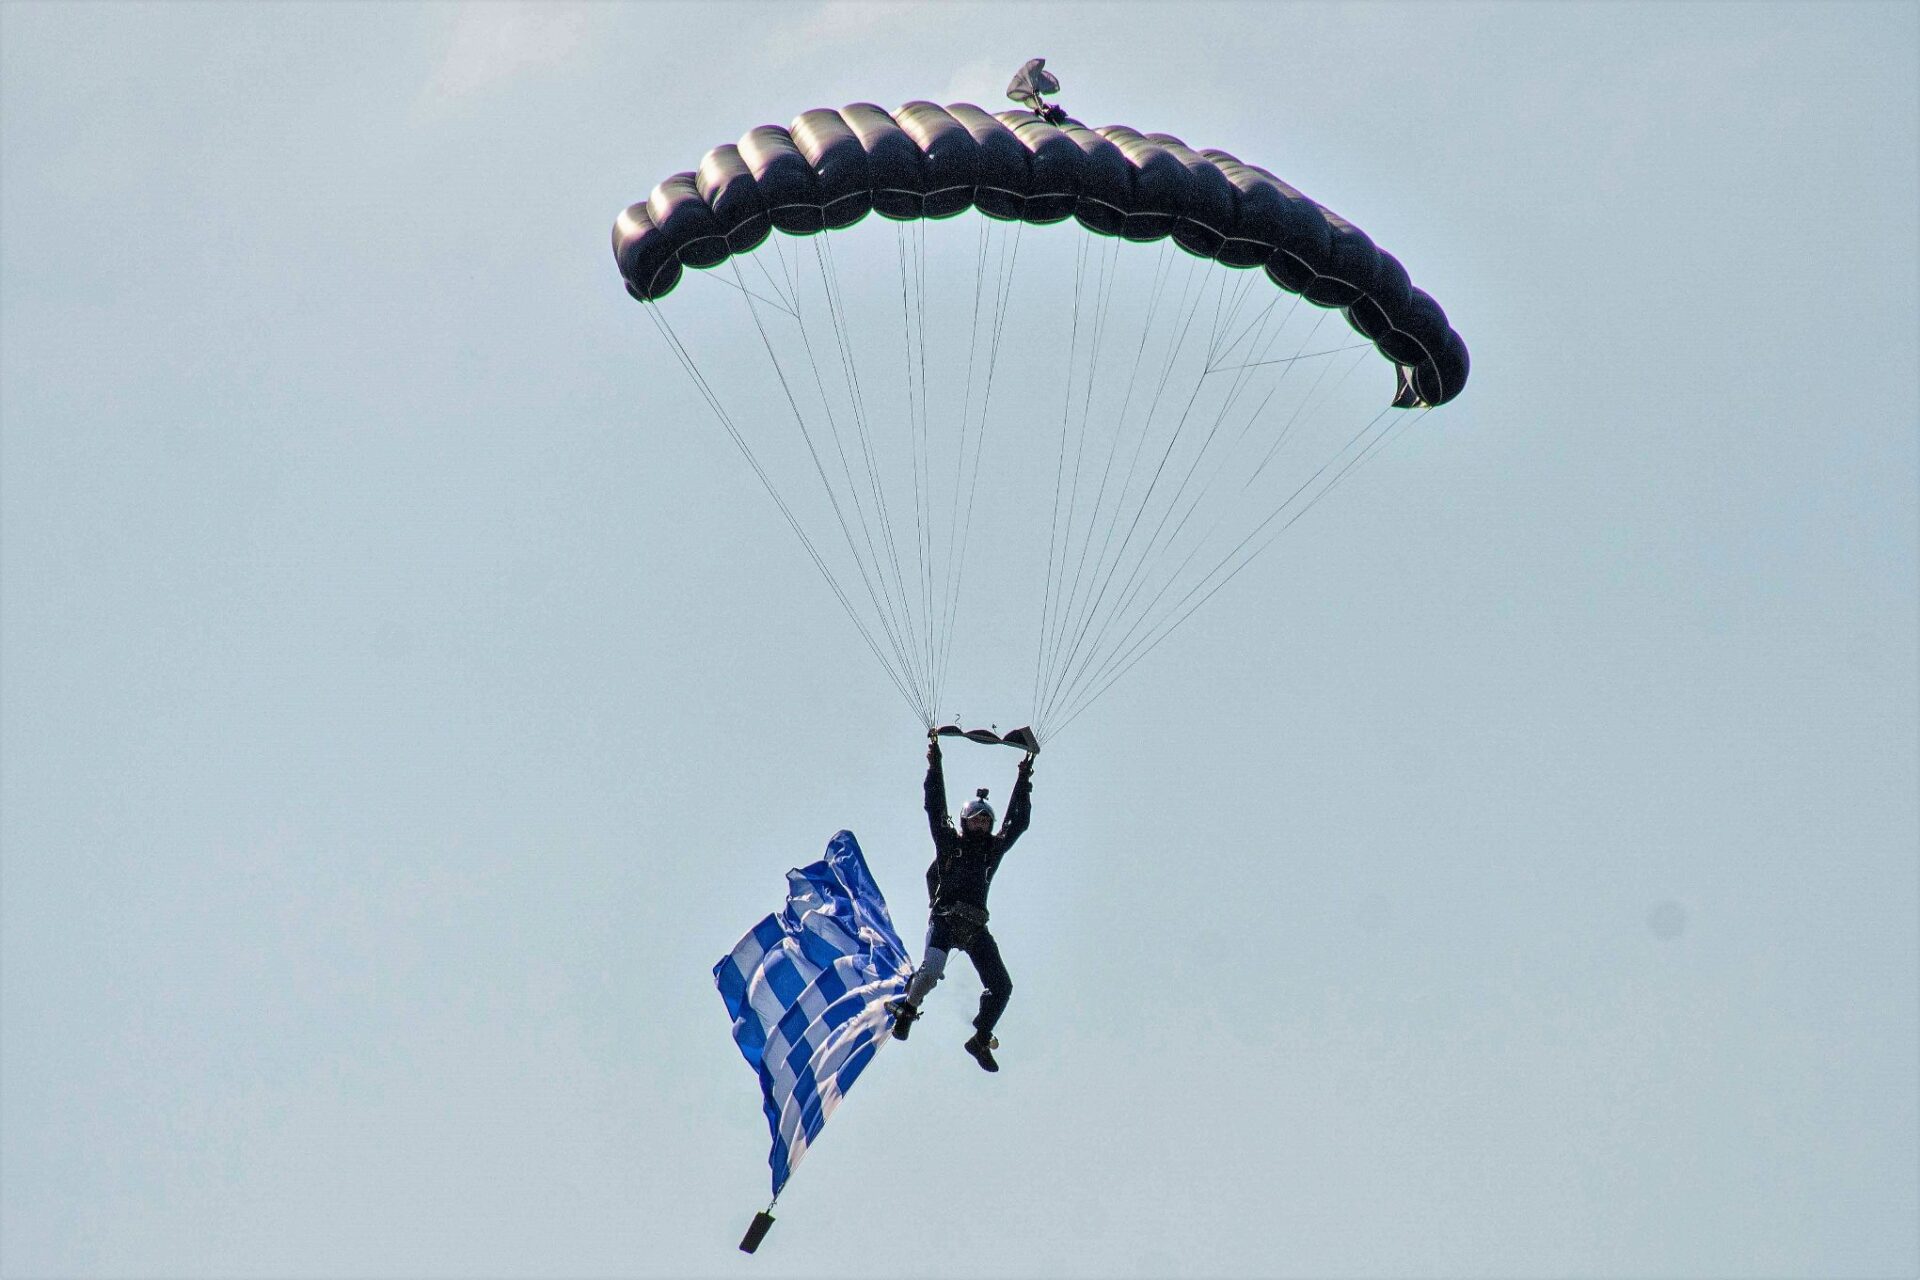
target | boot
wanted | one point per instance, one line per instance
(981, 1047)
(904, 1016)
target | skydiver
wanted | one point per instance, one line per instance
(957, 880)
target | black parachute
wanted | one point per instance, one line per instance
(925, 161)
(1134, 544)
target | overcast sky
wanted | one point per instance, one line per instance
(409, 694)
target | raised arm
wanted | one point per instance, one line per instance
(1019, 805)
(937, 818)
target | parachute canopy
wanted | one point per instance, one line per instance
(925, 161)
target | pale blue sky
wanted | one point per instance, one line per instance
(409, 695)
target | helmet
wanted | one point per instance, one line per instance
(976, 807)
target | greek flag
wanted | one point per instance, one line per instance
(806, 990)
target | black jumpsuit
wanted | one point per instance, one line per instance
(957, 883)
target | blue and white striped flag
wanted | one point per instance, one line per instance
(806, 990)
